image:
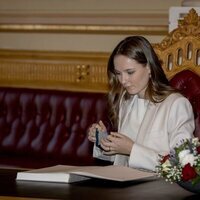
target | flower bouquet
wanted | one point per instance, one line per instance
(182, 165)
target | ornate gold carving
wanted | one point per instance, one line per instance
(189, 26)
(83, 72)
(179, 50)
(54, 70)
(191, 18)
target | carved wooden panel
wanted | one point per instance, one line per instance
(54, 70)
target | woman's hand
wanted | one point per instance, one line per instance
(117, 143)
(92, 130)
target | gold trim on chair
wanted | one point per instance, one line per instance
(180, 49)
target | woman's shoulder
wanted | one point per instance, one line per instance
(174, 100)
(176, 97)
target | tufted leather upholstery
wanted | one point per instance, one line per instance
(189, 84)
(40, 127)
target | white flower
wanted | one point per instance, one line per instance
(186, 157)
(166, 166)
(195, 140)
(183, 153)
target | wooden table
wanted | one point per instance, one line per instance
(92, 189)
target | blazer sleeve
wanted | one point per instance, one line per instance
(180, 125)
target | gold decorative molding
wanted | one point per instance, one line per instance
(93, 21)
(81, 71)
(95, 29)
(54, 70)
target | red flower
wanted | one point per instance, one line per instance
(188, 172)
(165, 158)
(198, 149)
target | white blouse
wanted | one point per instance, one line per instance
(131, 114)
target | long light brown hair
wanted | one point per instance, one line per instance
(139, 49)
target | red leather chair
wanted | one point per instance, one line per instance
(188, 83)
(180, 54)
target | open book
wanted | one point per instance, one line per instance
(70, 174)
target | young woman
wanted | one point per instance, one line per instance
(151, 117)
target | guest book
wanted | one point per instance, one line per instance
(70, 174)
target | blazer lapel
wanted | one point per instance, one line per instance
(146, 122)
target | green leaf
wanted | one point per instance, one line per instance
(196, 180)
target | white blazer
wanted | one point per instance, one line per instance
(164, 126)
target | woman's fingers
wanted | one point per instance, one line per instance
(105, 144)
(92, 130)
(103, 127)
(117, 135)
(117, 143)
(108, 147)
(92, 133)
